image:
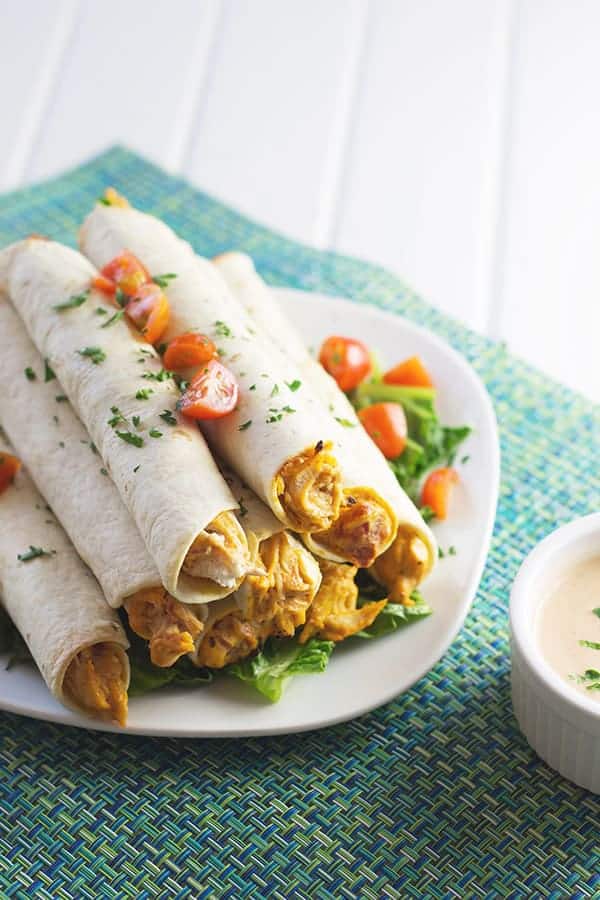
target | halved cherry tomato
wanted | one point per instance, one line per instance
(212, 393)
(411, 373)
(189, 349)
(347, 360)
(105, 285)
(385, 423)
(148, 309)
(127, 272)
(9, 466)
(436, 490)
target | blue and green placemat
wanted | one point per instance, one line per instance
(436, 794)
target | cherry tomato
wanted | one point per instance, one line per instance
(411, 373)
(436, 490)
(104, 284)
(211, 394)
(148, 309)
(385, 423)
(347, 360)
(127, 272)
(189, 349)
(9, 466)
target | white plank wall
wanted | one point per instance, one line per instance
(456, 143)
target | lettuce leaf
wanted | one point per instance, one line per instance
(270, 669)
(146, 677)
(393, 617)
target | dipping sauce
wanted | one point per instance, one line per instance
(565, 617)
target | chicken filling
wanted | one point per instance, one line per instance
(403, 566)
(170, 627)
(272, 604)
(95, 681)
(220, 552)
(334, 615)
(362, 531)
(309, 490)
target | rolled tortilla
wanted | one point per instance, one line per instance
(412, 553)
(272, 602)
(69, 473)
(75, 638)
(164, 473)
(277, 438)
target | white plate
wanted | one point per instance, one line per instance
(361, 675)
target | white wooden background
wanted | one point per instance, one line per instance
(455, 141)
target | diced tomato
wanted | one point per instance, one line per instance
(9, 466)
(127, 272)
(436, 490)
(104, 284)
(187, 350)
(347, 360)
(385, 423)
(411, 373)
(148, 309)
(212, 393)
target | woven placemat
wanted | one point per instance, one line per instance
(436, 794)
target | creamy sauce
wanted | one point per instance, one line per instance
(566, 616)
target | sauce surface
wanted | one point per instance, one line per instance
(565, 617)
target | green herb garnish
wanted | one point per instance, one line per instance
(245, 425)
(95, 354)
(222, 330)
(163, 280)
(293, 385)
(34, 553)
(48, 372)
(131, 438)
(155, 433)
(30, 374)
(144, 393)
(345, 422)
(118, 315)
(168, 417)
(72, 303)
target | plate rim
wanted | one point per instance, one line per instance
(64, 716)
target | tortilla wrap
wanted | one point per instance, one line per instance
(277, 438)
(413, 552)
(164, 473)
(58, 607)
(69, 473)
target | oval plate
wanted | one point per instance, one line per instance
(361, 675)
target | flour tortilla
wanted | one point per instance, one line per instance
(171, 485)
(361, 461)
(200, 301)
(54, 601)
(57, 451)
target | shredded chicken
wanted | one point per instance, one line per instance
(170, 627)
(220, 552)
(364, 528)
(95, 682)
(309, 490)
(403, 566)
(334, 615)
(274, 605)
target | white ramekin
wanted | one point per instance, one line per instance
(560, 723)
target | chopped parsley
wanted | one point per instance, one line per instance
(117, 416)
(61, 398)
(100, 311)
(590, 678)
(49, 374)
(121, 297)
(222, 330)
(596, 611)
(144, 393)
(593, 645)
(95, 354)
(118, 315)
(245, 425)
(136, 421)
(345, 422)
(104, 201)
(278, 414)
(34, 553)
(293, 385)
(243, 508)
(168, 417)
(130, 438)
(155, 433)
(161, 375)
(30, 374)
(136, 468)
(252, 387)
(72, 303)
(161, 348)
(103, 471)
(275, 390)
(163, 280)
